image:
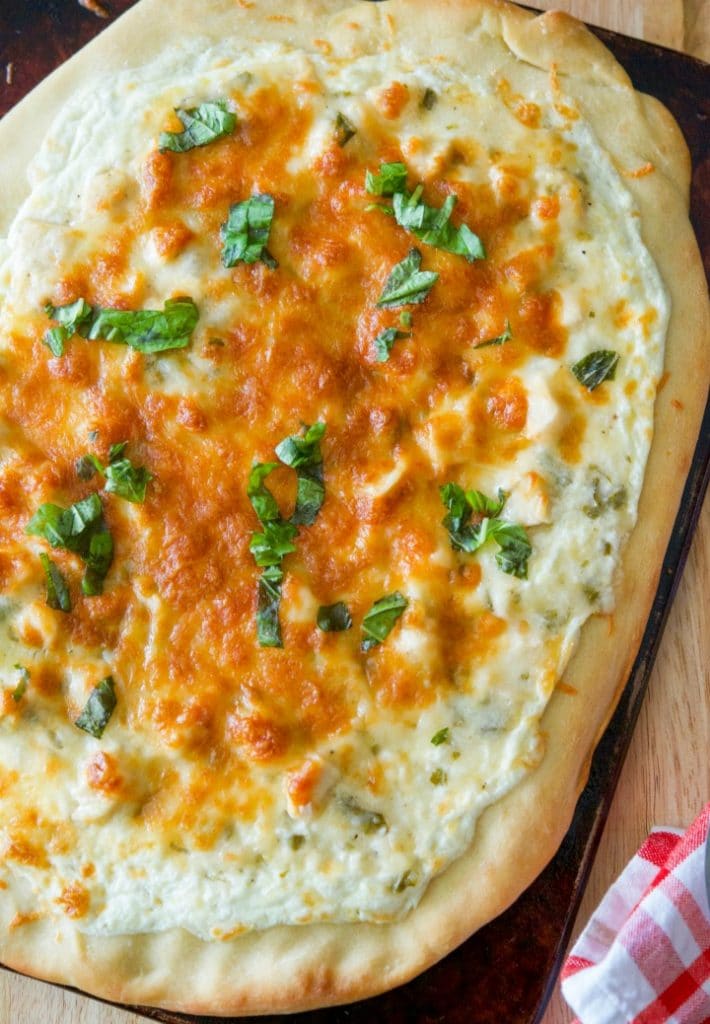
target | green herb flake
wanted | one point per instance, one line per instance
(81, 529)
(148, 330)
(268, 627)
(334, 618)
(296, 841)
(595, 368)
(344, 130)
(500, 339)
(390, 179)
(385, 340)
(381, 619)
(201, 125)
(99, 708)
(368, 821)
(245, 233)
(405, 318)
(21, 688)
(407, 283)
(58, 596)
(433, 226)
(73, 318)
(429, 99)
(438, 777)
(515, 547)
(127, 481)
(302, 452)
(407, 880)
(442, 736)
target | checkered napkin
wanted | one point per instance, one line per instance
(644, 958)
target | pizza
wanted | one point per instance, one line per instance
(351, 361)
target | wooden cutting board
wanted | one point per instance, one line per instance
(666, 778)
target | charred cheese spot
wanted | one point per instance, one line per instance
(74, 900)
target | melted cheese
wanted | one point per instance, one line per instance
(239, 787)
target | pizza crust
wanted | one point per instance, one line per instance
(327, 964)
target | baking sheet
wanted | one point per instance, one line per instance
(507, 970)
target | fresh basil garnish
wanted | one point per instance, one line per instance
(21, 688)
(75, 318)
(442, 736)
(595, 368)
(268, 627)
(385, 341)
(381, 619)
(99, 708)
(500, 339)
(334, 618)
(81, 529)
(148, 330)
(344, 130)
(245, 233)
(433, 226)
(58, 596)
(515, 548)
(122, 477)
(407, 283)
(430, 225)
(201, 125)
(269, 547)
(274, 543)
(391, 178)
(262, 500)
(302, 453)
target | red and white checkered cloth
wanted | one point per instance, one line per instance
(644, 958)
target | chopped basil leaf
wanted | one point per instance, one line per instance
(429, 99)
(515, 547)
(87, 466)
(262, 500)
(406, 318)
(245, 233)
(381, 618)
(99, 708)
(65, 528)
(21, 688)
(201, 125)
(595, 368)
(98, 560)
(270, 547)
(58, 596)
(433, 226)
(500, 339)
(148, 330)
(442, 736)
(438, 777)
(385, 340)
(128, 481)
(122, 477)
(390, 179)
(73, 318)
(268, 628)
(302, 453)
(602, 502)
(81, 529)
(407, 283)
(334, 618)
(116, 450)
(344, 130)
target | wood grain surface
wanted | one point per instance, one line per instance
(666, 778)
